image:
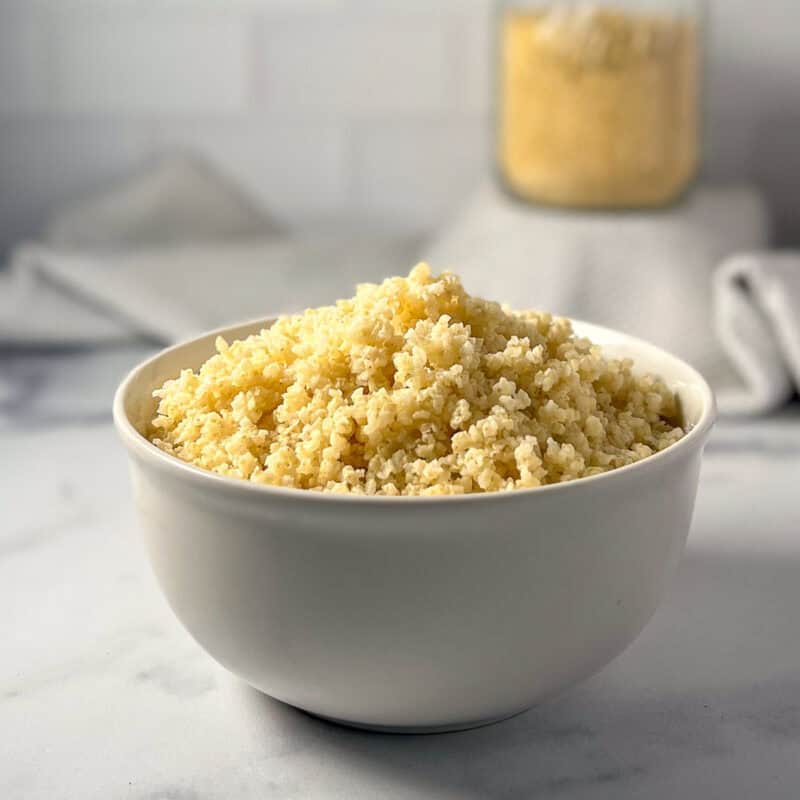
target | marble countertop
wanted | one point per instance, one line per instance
(103, 695)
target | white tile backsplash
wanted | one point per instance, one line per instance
(412, 175)
(24, 64)
(131, 63)
(396, 8)
(471, 65)
(280, 7)
(377, 111)
(356, 67)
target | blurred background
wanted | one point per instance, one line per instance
(270, 154)
(377, 112)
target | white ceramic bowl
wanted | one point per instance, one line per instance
(414, 613)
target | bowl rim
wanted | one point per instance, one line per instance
(139, 445)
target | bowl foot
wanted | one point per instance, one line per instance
(418, 729)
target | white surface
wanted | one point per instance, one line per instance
(334, 66)
(416, 613)
(102, 694)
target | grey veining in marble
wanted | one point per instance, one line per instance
(103, 695)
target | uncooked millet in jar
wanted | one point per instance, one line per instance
(598, 106)
(413, 387)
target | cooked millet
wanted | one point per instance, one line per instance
(413, 387)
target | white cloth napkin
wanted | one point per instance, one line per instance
(174, 199)
(757, 320)
(174, 251)
(65, 297)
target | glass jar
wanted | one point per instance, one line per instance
(597, 103)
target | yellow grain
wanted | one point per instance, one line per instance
(413, 387)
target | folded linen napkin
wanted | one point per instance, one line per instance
(168, 294)
(174, 251)
(757, 320)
